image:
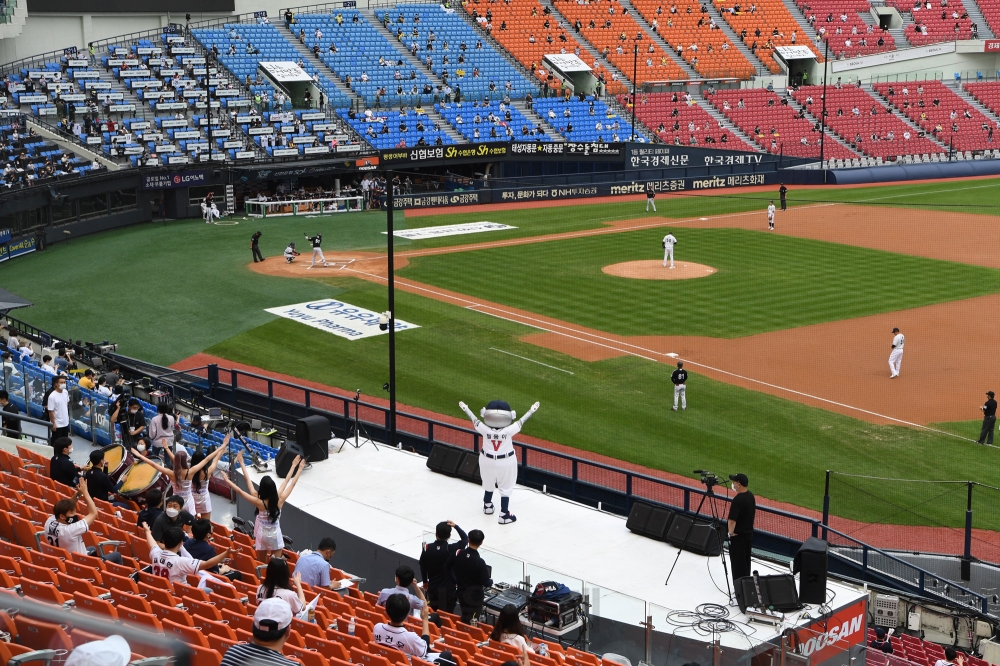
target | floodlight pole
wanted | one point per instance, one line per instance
(208, 107)
(635, 81)
(822, 115)
(390, 201)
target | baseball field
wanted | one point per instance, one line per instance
(786, 334)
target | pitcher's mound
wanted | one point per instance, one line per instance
(653, 270)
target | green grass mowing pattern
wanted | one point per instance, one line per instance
(618, 407)
(167, 291)
(764, 282)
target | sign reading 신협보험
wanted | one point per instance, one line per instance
(341, 319)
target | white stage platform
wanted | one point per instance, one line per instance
(390, 498)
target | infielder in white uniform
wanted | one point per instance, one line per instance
(497, 461)
(668, 249)
(770, 216)
(896, 357)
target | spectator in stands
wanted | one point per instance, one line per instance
(197, 545)
(276, 585)
(63, 360)
(173, 516)
(99, 484)
(65, 529)
(271, 623)
(161, 430)
(268, 501)
(153, 508)
(404, 580)
(87, 381)
(394, 634)
(314, 565)
(57, 404)
(471, 576)
(61, 468)
(131, 419)
(509, 631)
(169, 563)
(880, 642)
(111, 651)
(951, 658)
(11, 426)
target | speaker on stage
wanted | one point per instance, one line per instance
(679, 528)
(650, 520)
(313, 434)
(286, 456)
(445, 459)
(704, 539)
(776, 593)
(811, 563)
(469, 468)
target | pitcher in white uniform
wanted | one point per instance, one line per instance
(497, 460)
(668, 249)
(896, 356)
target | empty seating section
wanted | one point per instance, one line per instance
(271, 46)
(861, 130)
(715, 56)
(614, 35)
(842, 24)
(934, 20)
(395, 129)
(988, 94)
(584, 125)
(991, 12)
(940, 112)
(489, 122)
(364, 59)
(675, 121)
(439, 34)
(515, 22)
(773, 126)
(772, 19)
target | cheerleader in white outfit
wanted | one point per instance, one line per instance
(268, 499)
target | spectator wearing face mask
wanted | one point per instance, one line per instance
(161, 430)
(61, 468)
(65, 528)
(57, 404)
(154, 508)
(133, 423)
(173, 515)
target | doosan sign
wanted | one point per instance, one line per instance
(833, 635)
(163, 181)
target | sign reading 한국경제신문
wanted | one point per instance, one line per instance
(341, 319)
(163, 181)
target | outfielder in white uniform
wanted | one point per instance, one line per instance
(668, 249)
(770, 216)
(497, 461)
(896, 357)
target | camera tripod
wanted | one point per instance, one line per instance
(358, 428)
(709, 484)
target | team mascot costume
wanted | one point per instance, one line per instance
(497, 462)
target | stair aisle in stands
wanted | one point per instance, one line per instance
(534, 117)
(658, 39)
(867, 87)
(411, 60)
(806, 30)
(758, 64)
(718, 115)
(612, 87)
(977, 15)
(308, 56)
(972, 101)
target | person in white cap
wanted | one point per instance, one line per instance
(112, 651)
(271, 622)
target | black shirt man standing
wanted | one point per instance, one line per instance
(782, 192)
(435, 567)
(254, 247)
(989, 419)
(472, 576)
(741, 517)
(12, 427)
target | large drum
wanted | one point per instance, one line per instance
(141, 477)
(119, 459)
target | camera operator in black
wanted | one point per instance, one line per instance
(254, 240)
(741, 516)
(435, 567)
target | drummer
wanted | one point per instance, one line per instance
(99, 484)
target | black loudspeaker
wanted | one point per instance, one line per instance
(445, 459)
(776, 593)
(650, 520)
(679, 528)
(313, 435)
(469, 468)
(811, 563)
(285, 458)
(884, 20)
(696, 537)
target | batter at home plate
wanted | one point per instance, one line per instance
(497, 460)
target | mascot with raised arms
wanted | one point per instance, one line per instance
(497, 460)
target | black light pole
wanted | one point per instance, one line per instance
(208, 107)
(635, 81)
(392, 310)
(822, 115)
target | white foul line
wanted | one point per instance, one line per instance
(524, 358)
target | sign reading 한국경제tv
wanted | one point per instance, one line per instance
(164, 181)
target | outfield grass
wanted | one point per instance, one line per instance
(618, 407)
(764, 282)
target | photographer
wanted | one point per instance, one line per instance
(741, 516)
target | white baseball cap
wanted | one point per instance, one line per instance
(274, 610)
(112, 651)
